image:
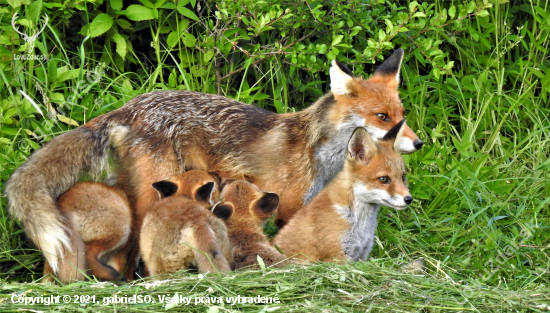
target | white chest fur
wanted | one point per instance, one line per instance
(357, 242)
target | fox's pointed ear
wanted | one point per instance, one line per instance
(266, 205)
(341, 79)
(223, 210)
(361, 147)
(204, 192)
(165, 188)
(396, 135)
(389, 70)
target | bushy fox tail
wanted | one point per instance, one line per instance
(33, 189)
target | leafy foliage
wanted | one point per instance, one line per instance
(476, 84)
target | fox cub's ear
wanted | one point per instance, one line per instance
(266, 205)
(204, 193)
(223, 210)
(361, 147)
(165, 188)
(395, 134)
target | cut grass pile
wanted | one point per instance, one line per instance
(373, 286)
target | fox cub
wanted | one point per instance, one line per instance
(179, 232)
(339, 223)
(99, 220)
(245, 209)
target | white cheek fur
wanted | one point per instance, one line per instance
(375, 132)
(406, 145)
(377, 196)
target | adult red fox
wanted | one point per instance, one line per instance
(180, 232)
(339, 223)
(99, 219)
(292, 154)
(245, 209)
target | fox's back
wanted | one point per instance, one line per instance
(183, 116)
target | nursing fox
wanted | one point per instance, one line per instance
(169, 132)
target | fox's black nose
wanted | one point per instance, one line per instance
(408, 199)
(418, 144)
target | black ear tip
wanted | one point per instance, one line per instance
(165, 188)
(344, 68)
(204, 192)
(274, 198)
(392, 64)
(222, 210)
(392, 133)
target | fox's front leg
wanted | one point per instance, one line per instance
(145, 170)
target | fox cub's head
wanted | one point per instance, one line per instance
(374, 102)
(377, 170)
(245, 203)
(195, 184)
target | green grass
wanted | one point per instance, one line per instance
(481, 183)
(373, 286)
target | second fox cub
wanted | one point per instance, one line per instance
(245, 209)
(339, 223)
(99, 220)
(179, 232)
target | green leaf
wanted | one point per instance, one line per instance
(172, 39)
(167, 5)
(187, 13)
(435, 72)
(147, 4)
(413, 5)
(137, 12)
(159, 3)
(33, 12)
(100, 25)
(356, 30)
(124, 23)
(173, 80)
(116, 5)
(189, 40)
(18, 3)
(471, 7)
(483, 13)
(336, 40)
(389, 26)
(120, 45)
(208, 55)
(63, 74)
(452, 11)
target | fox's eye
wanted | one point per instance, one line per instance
(384, 179)
(383, 117)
